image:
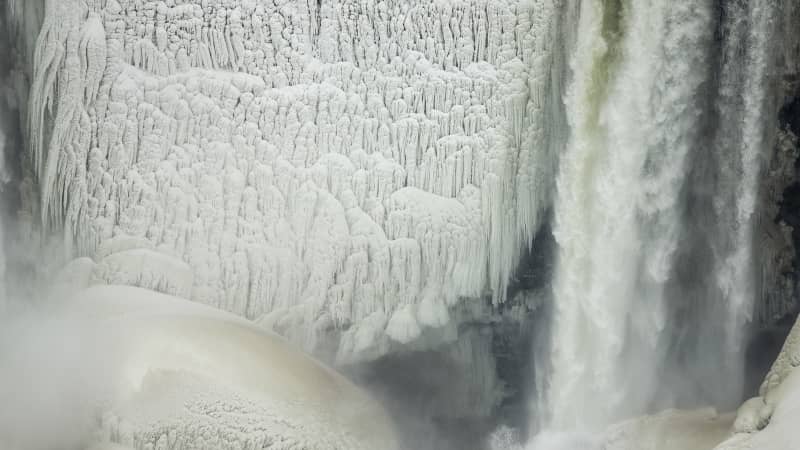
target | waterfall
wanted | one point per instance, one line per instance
(19, 24)
(639, 161)
(747, 101)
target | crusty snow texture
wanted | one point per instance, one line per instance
(358, 166)
(192, 377)
(769, 421)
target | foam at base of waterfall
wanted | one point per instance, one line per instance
(669, 430)
(506, 439)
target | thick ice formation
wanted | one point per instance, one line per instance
(318, 165)
(192, 377)
(769, 421)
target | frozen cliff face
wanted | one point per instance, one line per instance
(778, 223)
(331, 169)
(778, 229)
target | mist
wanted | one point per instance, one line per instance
(58, 371)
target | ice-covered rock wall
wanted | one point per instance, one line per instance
(780, 238)
(320, 166)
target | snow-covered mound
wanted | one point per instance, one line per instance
(769, 421)
(351, 166)
(191, 377)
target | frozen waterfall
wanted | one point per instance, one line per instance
(540, 217)
(345, 171)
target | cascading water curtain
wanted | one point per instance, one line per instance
(642, 99)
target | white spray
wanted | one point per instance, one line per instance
(636, 108)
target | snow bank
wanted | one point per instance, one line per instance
(314, 164)
(192, 377)
(769, 421)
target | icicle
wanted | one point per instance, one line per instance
(372, 160)
(93, 56)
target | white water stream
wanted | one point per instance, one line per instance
(640, 96)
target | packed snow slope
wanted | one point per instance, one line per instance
(319, 166)
(176, 374)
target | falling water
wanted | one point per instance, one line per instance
(746, 103)
(642, 99)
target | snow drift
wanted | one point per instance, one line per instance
(163, 372)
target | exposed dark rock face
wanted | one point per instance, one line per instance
(790, 113)
(789, 130)
(787, 152)
(778, 228)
